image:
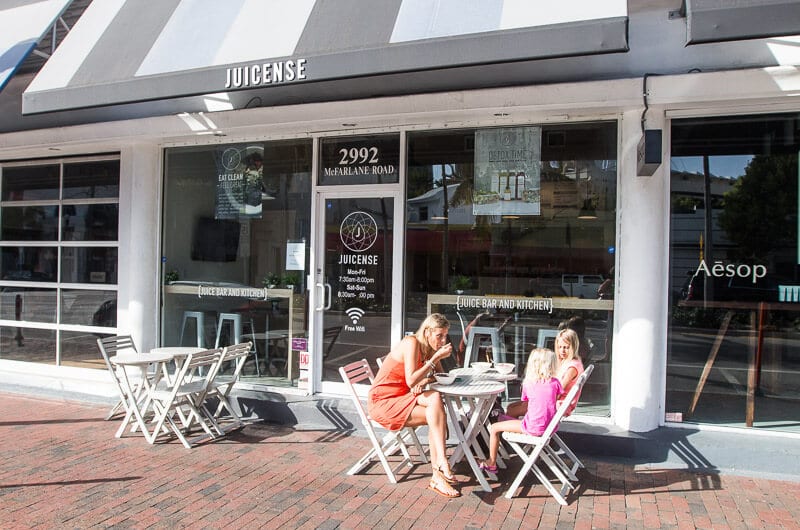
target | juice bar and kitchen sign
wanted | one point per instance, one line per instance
(507, 177)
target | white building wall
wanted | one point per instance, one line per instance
(139, 243)
(639, 352)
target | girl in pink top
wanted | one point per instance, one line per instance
(569, 369)
(570, 366)
(540, 389)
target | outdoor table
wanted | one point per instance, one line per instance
(137, 407)
(472, 399)
(177, 353)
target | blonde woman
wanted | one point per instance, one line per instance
(540, 391)
(398, 397)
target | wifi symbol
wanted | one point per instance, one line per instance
(355, 314)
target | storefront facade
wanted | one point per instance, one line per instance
(326, 229)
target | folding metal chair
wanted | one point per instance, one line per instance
(544, 449)
(223, 383)
(110, 346)
(392, 441)
(185, 397)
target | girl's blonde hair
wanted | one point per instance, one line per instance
(434, 321)
(571, 337)
(542, 365)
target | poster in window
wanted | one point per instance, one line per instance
(240, 181)
(507, 177)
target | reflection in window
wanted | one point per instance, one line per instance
(33, 264)
(89, 264)
(89, 222)
(29, 223)
(734, 258)
(91, 180)
(528, 254)
(30, 183)
(542, 225)
(89, 308)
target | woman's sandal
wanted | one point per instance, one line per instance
(443, 489)
(451, 478)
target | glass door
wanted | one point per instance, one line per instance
(357, 267)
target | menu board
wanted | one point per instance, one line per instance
(507, 178)
(240, 181)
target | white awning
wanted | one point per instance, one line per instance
(127, 51)
(718, 21)
(22, 25)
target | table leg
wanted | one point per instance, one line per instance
(467, 437)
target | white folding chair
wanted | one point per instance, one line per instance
(392, 441)
(560, 448)
(110, 346)
(129, 393)
(536, 450)
(185, 397)
(223, 383)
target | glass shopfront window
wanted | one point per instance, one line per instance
(735, 279)
(47, 280)
(235, 251)
(513, 230)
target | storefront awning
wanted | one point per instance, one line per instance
(716, 20)
(126, 51)
(22, 25)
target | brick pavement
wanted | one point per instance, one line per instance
(62, 468)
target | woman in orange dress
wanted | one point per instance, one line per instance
(398, 397)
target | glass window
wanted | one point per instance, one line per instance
(29, 223)
(31, 183)
(28, 344)
(89, 264)
(91, 180)
(89, 222)
(37, 245)
(232, 216)
(498, 218)
(28, 304)
(734, 271)
(36, 264)
(79, 349)
(89, 308)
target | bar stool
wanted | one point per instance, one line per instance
(474, 339)
(235, 321)
(200, 326)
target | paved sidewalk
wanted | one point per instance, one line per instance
(63, 468)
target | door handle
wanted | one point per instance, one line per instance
(330, 295)
(321, 305)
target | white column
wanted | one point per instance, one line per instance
(639, 347)
(139, 240)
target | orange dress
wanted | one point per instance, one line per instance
(390, 399)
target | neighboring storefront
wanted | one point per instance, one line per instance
(324, 227)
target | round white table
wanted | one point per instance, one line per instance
(469, 400)
(138, 394)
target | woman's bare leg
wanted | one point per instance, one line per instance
(430, 411)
